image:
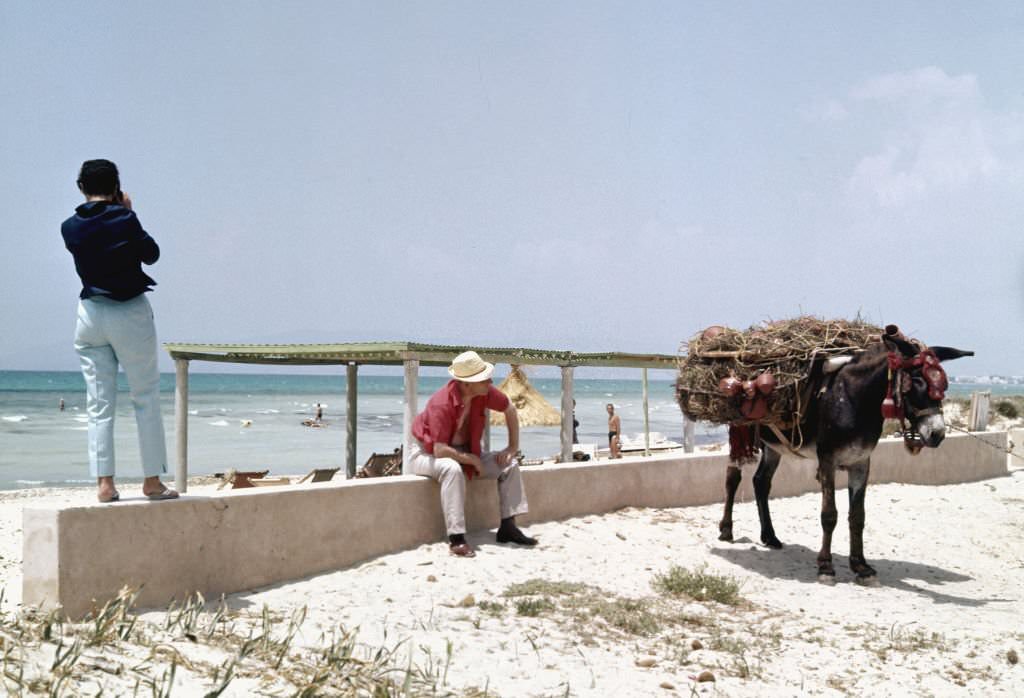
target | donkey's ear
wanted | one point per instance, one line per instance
(896, 342)
(949, 353)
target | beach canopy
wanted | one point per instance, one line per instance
(531, 407)
(398, 353)
(411, 356)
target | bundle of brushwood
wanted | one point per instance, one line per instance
(762, 375)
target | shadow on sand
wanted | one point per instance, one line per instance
(797, 562)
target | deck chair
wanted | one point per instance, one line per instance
(382, 464)
(239, 479)
(318, 475)
(269, 481)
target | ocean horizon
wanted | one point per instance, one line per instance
(254, 420)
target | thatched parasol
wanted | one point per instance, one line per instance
(532, 408)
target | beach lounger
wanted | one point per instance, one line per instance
(657, 440)
(239, 479)
(269, 481)
(318, 475)
(382, 464)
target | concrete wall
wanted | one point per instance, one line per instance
(1016, 446)
(250, 538)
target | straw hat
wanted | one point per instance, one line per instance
(470, 368)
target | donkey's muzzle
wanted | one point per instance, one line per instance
(932, 429)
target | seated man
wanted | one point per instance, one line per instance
(446, 448)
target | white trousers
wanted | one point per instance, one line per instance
(109, 333)
(448, 472)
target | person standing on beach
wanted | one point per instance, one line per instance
(614, 432)
(115, 325)
(447, 449)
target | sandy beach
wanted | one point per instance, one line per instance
(584, 614)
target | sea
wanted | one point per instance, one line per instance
(255, 422)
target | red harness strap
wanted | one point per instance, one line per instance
(931, 370)
(893, 406)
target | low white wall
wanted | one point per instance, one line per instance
(1015, 445)
(76, 556)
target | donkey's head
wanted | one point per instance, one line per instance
(917, 386)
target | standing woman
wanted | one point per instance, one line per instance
(115, 325)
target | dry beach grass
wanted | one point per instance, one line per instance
(638, 602)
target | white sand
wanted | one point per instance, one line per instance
(949, 607)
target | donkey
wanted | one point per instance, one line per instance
(852, 396)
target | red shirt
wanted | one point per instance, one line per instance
(439, 419)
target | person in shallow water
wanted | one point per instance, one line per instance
(115, 325)
(446, 448)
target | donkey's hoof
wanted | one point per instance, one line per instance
(772, 542)
(827, 579)
(725, 534)
(868, 581)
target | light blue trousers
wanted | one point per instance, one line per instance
(109, 333)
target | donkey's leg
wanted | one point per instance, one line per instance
(857, 488)
(732, 483)
(762, 488)
(829, 516)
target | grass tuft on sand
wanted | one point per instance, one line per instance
(699, 585)
(213, 647)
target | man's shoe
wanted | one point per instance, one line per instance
(515, 536)
(462, 550)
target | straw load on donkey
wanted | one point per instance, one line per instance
(813, 388)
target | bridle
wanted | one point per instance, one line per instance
(895, 404)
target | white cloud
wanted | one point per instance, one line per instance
(940, 157)
(934, 135)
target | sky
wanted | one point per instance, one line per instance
(590, 176)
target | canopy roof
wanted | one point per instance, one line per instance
(390, 353)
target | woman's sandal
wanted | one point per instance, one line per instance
(165, 493)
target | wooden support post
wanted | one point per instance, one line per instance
(351, 418)
(412, 373)
(687, 435)
(181, 424)
(647, 419)
(978, 418)
(566, 456)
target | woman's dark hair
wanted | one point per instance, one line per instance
(99, 178)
